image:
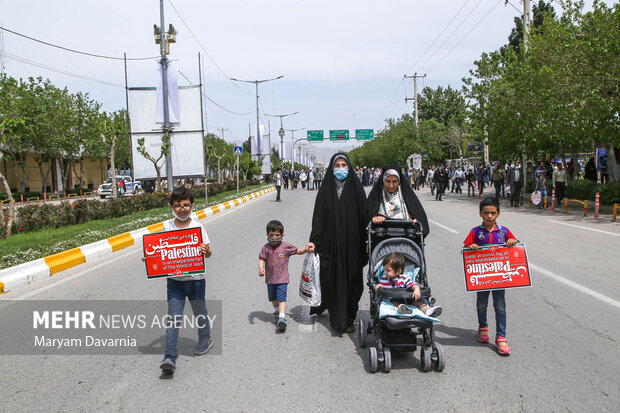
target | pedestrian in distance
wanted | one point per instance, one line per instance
(541, 186)
(277, 180)
(273, 265)
(285, 178)
(559, 180)
(480, 177)
(498, 177)
(491, 233)
(181, 287)
(303, 176)
(310, 180)
(441, 180)
(516, 181)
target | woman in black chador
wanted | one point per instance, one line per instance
(393, 198)
(338, 233)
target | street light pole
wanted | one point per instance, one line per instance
(256, 82)
(281, 133)
(293, 142)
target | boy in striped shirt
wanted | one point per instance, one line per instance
(394, 277)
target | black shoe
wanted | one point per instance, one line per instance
(281, 324)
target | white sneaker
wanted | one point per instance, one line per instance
(434, 311)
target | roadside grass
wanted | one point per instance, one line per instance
(29, 246)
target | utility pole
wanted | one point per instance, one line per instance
(222, 131)
(415, 78)
(161, 37)
(526, 22)
(293, 142)
(281, 134)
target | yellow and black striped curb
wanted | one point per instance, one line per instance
(44, 267)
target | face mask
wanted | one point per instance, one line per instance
(274, 240)
(341, 173)
(182, 219)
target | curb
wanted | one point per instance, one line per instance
(29, 272)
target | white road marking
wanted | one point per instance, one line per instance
(579, 226)
(443, 226)
(576, 286)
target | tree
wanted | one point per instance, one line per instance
(515, 39)
(7, 127)
(165, 148)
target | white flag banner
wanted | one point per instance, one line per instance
(282, 150)
(258, 139)
(173, 93)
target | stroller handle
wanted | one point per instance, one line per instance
(396, 223)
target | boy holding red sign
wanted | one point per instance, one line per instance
(491, 233)
(191, 286)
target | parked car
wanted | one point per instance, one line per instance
(125, 186)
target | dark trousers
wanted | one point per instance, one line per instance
(278, 188)
(515, 194)
(480, 188)
(560, 191)
(471, 186)
(439, 191)
(498, 188)
(285, 183)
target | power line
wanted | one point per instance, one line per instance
(451, 34)
(205, 50)
(61, 71)
(390, 104)
(73, 50)
(214, 102)
(466, 34)
(438, 36)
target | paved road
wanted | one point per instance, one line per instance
(563, 331)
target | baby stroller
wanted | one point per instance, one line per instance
(394, 331)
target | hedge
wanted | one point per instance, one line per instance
(40, 216)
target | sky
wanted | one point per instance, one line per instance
(342, 61)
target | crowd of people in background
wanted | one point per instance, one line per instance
(503, 180)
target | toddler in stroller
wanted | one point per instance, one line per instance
(412, 326)
(391, 275)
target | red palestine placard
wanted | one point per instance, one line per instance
(495, 267)
(173, 253)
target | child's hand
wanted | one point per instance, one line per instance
(417, 293)
(261, 272)
(377, 286)
(474, 246)
(206, 249)
(378, 219)
(310, 247)
(511, 242)
(143, 259)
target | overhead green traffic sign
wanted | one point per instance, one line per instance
(315, 136)
(364, 134)
(339, 135)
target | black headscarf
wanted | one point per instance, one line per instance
(414, 207)
(338, 232)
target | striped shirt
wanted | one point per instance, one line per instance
(401, 281)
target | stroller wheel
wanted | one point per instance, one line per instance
(440, 361)
(362, 333)
(425, 357)
(387, 359)
(373, 359)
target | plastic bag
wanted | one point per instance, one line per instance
(310, 283)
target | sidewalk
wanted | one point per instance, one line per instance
(28, 272)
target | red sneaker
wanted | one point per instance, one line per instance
(502, 346)
(483, 334)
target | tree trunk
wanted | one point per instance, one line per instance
(24, 178)
(6, 221)
(113, 169)
(44, 176)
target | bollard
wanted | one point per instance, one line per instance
(596, 205)
(64, 194)
(585, 208)
(22, 195)
(566, 206)
(553, 200)
(545, 202)
(44, 196)
(615, 212)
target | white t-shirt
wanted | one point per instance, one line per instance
(170, 226)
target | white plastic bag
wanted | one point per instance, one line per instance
(310, 283)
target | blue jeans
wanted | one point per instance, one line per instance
(499, 304)
(195, 293)
(543, 195)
